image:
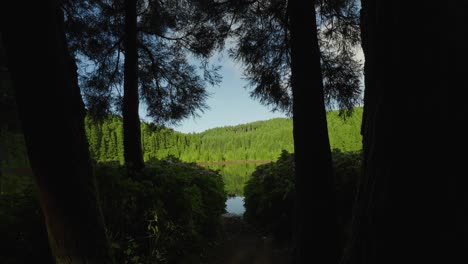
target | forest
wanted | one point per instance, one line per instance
(262, 140)
(255, 143)
(385, 186)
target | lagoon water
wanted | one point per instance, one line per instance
(235, 205)
(235, 176)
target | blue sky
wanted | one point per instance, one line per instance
(229, 104)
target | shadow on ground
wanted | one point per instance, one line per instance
(241, 244)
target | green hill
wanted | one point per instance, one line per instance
(261, 140)
(255, 142)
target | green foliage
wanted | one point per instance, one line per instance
(234, 176)
(261, 140)
(269, 194)
(173, 209)
(169, 33)
(262, 37)
(345, 134)
(347, 166)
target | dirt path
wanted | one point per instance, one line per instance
(243, 245)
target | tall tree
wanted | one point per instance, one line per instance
(262, 34)
(133, 152)
(52, 119)
(155, 37)
(412, 202)
(299, 54)
(316, 227)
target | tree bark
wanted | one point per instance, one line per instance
(133, 152)
(356, 251)
(52, 116)
(412, 203)
(316, 228)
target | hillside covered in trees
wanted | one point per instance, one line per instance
(256, 142)
(261, 140)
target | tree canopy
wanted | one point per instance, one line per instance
(262, 44)
(175, 40)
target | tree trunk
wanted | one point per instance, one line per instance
(316, 228)
(412, 202)
(52, 115)
(356, 251)
(133, 152)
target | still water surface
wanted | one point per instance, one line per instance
(235, 205)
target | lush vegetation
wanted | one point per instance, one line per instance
(261, 140)
(173, 209)
(269, 194)
(235, 176)
(411, 127)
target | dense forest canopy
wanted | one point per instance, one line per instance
(261, 140)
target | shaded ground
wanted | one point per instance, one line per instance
(241, 244)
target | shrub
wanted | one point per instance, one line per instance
(269, 194)
(347, 166)
(172, 210)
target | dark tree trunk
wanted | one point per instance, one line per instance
(316, 228)
(356, 251)
(368, 46)
(412, 199)
(52, 115)
(133, 152)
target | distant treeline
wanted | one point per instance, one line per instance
(261, 140)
